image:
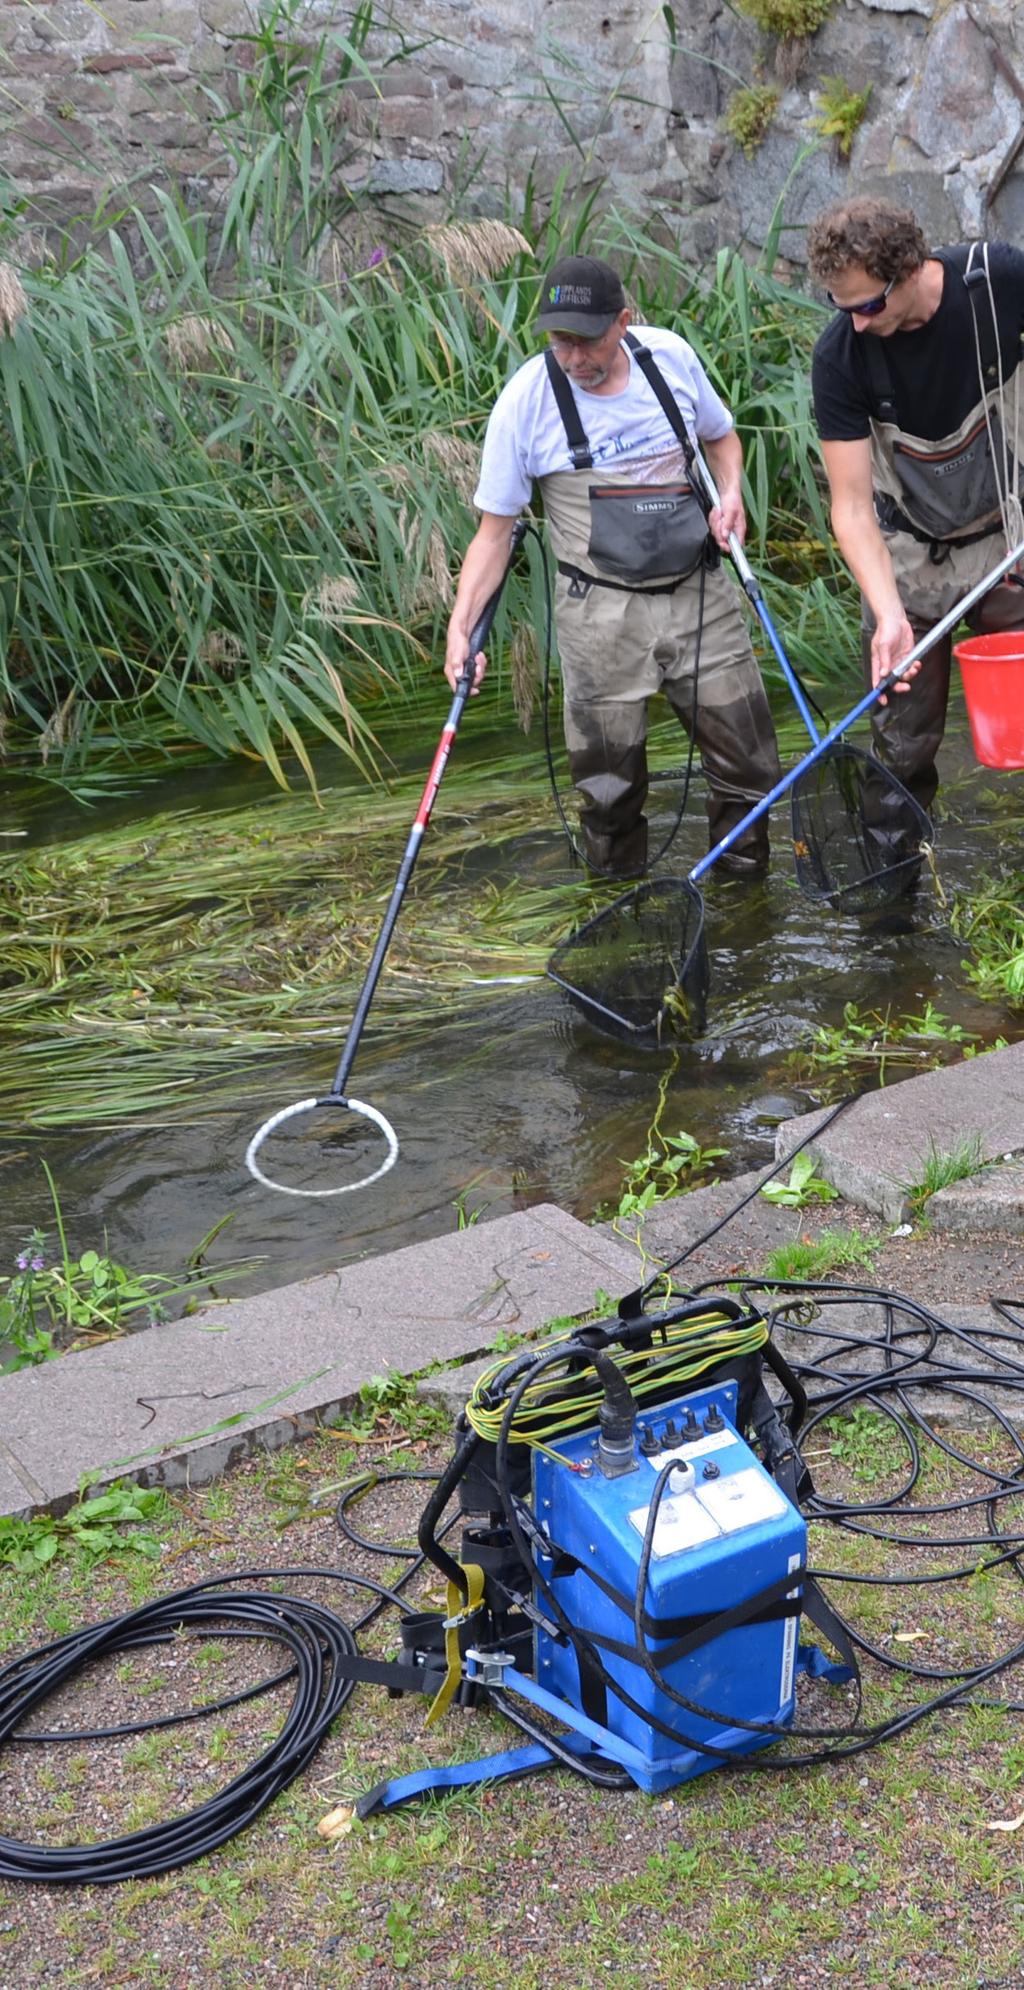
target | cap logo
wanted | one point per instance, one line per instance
(571, 293)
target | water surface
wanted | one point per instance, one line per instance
(524, 1100)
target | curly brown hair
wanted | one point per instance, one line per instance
(868, 233)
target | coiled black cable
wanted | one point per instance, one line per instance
(316, 1640)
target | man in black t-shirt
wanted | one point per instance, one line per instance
(916, 383)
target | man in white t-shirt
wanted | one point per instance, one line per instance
(641, 602)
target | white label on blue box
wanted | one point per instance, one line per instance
(699, 1447)
(741, 1500)
(682, 1523)
(789, 1645)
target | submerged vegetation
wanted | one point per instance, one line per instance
(871, 1042)
(53, 1301)
(134, 960)
(671, 1164)
(991, 921)
(238, 464)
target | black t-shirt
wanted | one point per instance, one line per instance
(934, 370)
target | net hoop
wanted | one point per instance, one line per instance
(310, 1105)
(652, 962)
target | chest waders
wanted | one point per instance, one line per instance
(944, 507)
(642, 607)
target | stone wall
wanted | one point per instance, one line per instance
(473, 100)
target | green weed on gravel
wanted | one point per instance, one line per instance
(816, 1258)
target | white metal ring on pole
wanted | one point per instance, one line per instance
(308, 1105)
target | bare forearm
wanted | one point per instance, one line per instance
(866, 554)
(863, 547)
(484, 564)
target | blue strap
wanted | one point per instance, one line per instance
(587, 1736)
(811, 1659)
(602, 1738)
(584, 1737)
(431, 1782)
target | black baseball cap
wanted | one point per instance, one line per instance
(580, 295)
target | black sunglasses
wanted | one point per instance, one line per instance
(869, 309)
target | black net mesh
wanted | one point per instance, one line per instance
(857, 833)
(639, 969)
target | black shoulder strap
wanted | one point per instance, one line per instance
(880, 387)
(579, 447)
(973, 274)
(576, 434)
(656, 379)
(978, 287)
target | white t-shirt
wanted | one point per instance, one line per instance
(525, 436)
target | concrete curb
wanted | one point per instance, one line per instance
(879, 1145)
(178, 1405)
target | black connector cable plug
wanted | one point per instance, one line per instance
(616, 1419)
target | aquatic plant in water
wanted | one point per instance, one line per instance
(53, 1301)
(136, 959)
(991, 920)
(870, 1040)
(671, 1164)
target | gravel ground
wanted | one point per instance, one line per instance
(899, 1867)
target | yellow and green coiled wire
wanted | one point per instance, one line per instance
(557, 1404)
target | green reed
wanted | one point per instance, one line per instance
(237, 469)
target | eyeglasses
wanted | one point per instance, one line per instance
(869, 309)
(577, 341)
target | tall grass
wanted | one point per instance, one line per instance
(237, 468)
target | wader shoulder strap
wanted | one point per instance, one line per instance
(880, 387)
(977, 281)
(576, 435)
(670, 408)
(973, 272)
(582, 459)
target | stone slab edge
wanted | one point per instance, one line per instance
(994, 1199)
(568, 1261)
(866, 1186)
(982, 1096)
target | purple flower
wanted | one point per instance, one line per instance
(38, 1264)
(22, 1260)
(377, 255)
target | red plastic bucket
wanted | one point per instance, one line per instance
(992, 668)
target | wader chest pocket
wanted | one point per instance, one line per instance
(641, 532)
(949, 485)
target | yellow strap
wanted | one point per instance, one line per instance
(459, 1611)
